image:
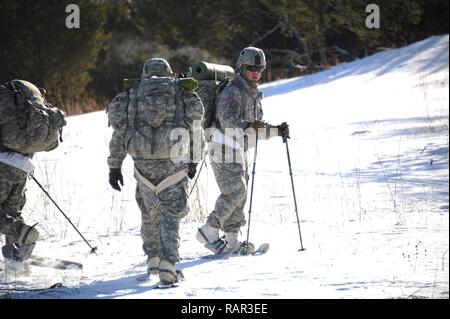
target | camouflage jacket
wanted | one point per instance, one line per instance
(239, 105)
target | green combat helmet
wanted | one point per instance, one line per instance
(251, 56)
(153, 67)
(161, 68)
(156, 67)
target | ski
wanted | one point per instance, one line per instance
(160, 285)
(9, 251)
(18, 267)
(61, 264)
(180, 278)
(262, 249)
(54, 286)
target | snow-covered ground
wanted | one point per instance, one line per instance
(369, 153)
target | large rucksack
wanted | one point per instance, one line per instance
(28, 123)
(212, 79)
(208, 91)
(148, 112)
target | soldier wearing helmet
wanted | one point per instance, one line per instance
(28, 124)
(143, 119)
(250, 64)
(239, 111)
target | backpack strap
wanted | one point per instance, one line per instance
(241, 92)
(221, 87)
(164, 184)
(133, 105)
(179, 114)
(132, 109)
(21, 115)
(11, 88)
(5, 88)
(240, 88)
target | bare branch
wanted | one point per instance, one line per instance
(265, 35)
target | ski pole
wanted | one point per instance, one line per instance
(93, 249)
(285, 137)
(251, 193)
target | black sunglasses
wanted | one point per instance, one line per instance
(254, 68)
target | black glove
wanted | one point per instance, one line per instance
(115, 177)
(192, 169)
(283, 130)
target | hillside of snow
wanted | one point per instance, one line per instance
(370, 157)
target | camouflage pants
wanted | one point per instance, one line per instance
(232, 179)
(162, 212)
(12, 200)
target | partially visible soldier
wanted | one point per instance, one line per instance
(28, 124)
(143, 119)
(238, 108)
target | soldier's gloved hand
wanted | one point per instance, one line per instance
(115, 177)
(192, 169)
(283, 130)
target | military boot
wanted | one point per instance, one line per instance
(28, 235)
(168, 274)
(27, 241)
(153, 265)
(237, 247)
(209, 236)
(16, 252)
(22, 249)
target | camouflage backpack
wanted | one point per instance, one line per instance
(212, 79)
(28, 123)
(148, 112)
(208, 91)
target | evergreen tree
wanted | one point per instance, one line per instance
(37, 46)
(117, 36)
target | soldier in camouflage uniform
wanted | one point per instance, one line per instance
(19, 139)
(238, 108)
(12, 199)
(143, 132)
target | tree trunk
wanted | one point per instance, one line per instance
(299, 38)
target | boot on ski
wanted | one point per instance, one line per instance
(209, 236)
